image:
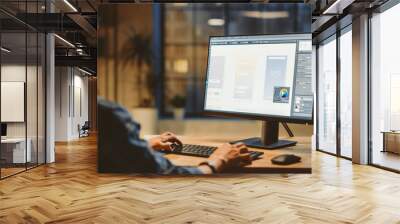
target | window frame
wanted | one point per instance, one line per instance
(338, 33)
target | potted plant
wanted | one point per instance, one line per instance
(179, 103)
(138, 51)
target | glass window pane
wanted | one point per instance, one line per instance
(208, 23)
(31, 98)
(178, 22)
(327, 96)
(385, 84)
(41, 98)
(188, 26)
(346, 94)
(179, 69)
(14, 153)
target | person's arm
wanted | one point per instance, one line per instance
(225, 157)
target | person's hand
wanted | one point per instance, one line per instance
(163, 142)
(228, 155)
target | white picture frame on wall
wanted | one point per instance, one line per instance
(12, 101)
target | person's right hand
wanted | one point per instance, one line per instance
(230, 155)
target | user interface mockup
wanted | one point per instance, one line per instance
(260, 75)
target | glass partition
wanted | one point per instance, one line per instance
(346, 92)
(41, 97)
(22, 64)
(385, 89)
(31, 99)
(14, 144)
(326, 120)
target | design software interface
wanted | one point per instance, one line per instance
(261, 75)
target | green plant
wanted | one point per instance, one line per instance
(138, 51)
(178, 101)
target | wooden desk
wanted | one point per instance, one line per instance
(262, 165)
(14, 151)
(391, 141)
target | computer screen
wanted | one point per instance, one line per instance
(3, 129)
(263, 75)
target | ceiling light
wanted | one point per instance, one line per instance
(70, 5)
(180, 4)
(65, 41)
(5, 50)
(337, 7)
(216, 22)
(266, 15)
(84, 71)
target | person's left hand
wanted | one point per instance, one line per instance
(163, 142)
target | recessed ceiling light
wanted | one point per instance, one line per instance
(180, 4)
(64, 40)
(216, 22)
(84, 71)
(337, 7)
(5, 50)
(70, 5)
(266, 15)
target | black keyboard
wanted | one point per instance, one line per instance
(204, 151)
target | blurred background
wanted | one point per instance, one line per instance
(152, 58)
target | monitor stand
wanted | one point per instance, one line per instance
(269, 138)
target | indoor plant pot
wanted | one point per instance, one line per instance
(179, 103)
(179, 113)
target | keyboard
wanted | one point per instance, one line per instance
(204, 151)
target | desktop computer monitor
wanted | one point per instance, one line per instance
(3, 130)
(265, 77)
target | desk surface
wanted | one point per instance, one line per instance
(13, 140)
(262, 165)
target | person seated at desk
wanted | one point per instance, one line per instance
(122, 150)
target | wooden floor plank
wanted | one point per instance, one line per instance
(71, 191)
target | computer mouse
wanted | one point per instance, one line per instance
(286, 159)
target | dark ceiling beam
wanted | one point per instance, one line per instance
(78, 61)
(84, 24)
(49, 22)
(91, 5)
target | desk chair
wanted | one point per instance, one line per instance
(84, 130)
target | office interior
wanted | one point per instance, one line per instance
(182, 62)
(51, 69)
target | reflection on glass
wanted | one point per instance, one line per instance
(346, 94)
(15, 149)
(327, 96)
(386, 89)
(31, 101)
(41, 99)
(22, 91)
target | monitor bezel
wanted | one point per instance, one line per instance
(251, 116)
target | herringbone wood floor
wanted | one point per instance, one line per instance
(71, 191)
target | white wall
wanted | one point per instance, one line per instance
(15, 73)
(71, 102)
(33, 127)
